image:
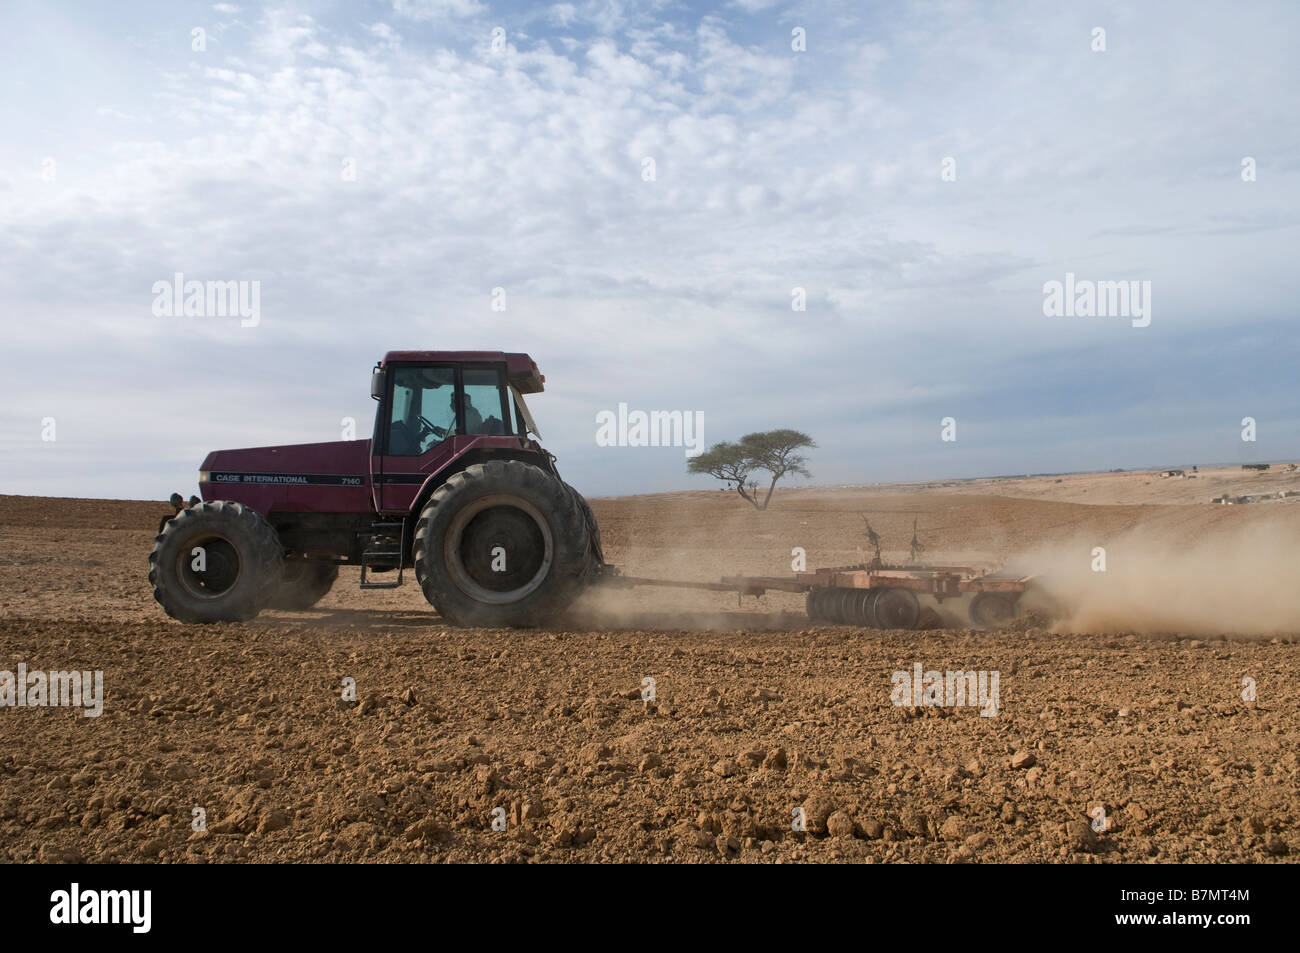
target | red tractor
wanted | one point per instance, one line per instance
(450, 484)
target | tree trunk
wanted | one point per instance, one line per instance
(770, 487)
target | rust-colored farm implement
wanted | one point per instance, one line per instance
(875, 594)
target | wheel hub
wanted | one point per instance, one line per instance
(498, 549)
(208, 567)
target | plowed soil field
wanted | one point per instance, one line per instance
(1161, 728)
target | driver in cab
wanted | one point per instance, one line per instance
(408, 440)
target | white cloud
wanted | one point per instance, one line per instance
(436, 9)
(524, 169)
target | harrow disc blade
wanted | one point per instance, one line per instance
(897, 609)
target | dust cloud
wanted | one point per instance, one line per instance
(1237, 581)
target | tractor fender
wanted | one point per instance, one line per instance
(474, 453)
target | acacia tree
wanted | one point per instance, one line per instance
(774, 451)
(726, 462)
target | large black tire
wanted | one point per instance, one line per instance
(501, 543)
(235, 576)
(303, 584)
(596, 554)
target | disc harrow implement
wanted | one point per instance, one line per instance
(874, 596)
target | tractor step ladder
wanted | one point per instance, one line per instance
(384, 552)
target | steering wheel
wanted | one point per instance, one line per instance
(431, 427)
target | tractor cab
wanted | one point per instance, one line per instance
(435, 407)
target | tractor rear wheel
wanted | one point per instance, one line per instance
(215, 562)
(303, 584)
(502, 543)
(594, 551)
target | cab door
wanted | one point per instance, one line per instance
(416, 431)
(431, 414)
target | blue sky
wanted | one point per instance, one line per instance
(127, 156)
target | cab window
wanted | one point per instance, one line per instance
(483, 405)
(423, 411)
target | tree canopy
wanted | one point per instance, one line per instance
(775, 451)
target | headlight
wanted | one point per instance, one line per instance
(204, 475)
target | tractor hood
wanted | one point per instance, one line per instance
(336, 463)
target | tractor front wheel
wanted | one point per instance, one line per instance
(215, 562)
